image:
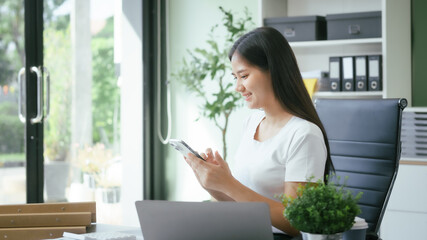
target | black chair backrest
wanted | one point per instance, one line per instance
(364, 140)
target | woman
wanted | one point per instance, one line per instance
(284, 145)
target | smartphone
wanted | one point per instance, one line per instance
(181, 146)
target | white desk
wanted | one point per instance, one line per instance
(111, 228)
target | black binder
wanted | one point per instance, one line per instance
(375, 72)
(335, 73)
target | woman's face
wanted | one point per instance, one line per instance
(252, 82)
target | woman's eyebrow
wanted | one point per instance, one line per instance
(242, 70)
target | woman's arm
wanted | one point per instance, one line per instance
(216, 176)
(219, 196)
(241, 193)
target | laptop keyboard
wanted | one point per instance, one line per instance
(101, 236)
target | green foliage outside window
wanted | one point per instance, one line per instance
(12, 55)
(57, 59)
(105, 92)
(57, 55)
(12, 49)
(11, 129)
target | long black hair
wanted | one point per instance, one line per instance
(268, 49)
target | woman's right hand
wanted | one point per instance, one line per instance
(213, 173)
(219, 196)
(209, 156)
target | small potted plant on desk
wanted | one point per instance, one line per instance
(322, 211)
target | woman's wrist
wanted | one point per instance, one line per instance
(233, 188)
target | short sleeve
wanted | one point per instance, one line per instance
(307, 157)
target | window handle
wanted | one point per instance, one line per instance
(39, 115)
(21, 97)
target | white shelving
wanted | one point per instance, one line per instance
(394, 45)
(370, 95)
(335, 43)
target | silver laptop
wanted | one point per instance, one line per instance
(166, 220)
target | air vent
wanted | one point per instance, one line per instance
(414, 134)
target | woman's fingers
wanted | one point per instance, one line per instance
(219, 159)
(210, 156)
(209, 152)
(212, 174)
(197, 164)
(200, 168)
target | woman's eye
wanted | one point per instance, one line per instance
(245, 76)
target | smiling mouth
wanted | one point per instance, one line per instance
(247, 96)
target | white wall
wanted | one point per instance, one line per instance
(189, 23)
(131, 109)
(406, 214)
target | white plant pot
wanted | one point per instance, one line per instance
(109, 194)
(312, 236)
(56, 180)
(89, 181)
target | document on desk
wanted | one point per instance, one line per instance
(99, 236)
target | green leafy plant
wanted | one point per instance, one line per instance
(105, 92)
(211, 64)
(57, 56)
(11, 129)
(321, 208)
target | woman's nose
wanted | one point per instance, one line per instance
(239, 87)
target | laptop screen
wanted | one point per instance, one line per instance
(204, 220)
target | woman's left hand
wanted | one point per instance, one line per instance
(213, 174)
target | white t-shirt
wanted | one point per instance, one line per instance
(296, 153)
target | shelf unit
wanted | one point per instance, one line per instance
(394, 45)
(335, 43)
(368, 95)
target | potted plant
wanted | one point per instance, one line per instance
(56, 167)
(108, 190)
(211, 64)
(101, 171)
(322, 209)
(93, 160)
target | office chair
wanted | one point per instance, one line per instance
(364, 140)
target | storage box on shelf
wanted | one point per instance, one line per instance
(304, 28)
(394, 46)
(354, 25)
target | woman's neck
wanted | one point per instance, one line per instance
(274, 120)
(276, 115)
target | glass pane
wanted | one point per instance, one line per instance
(12, 130)
(81, 135)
